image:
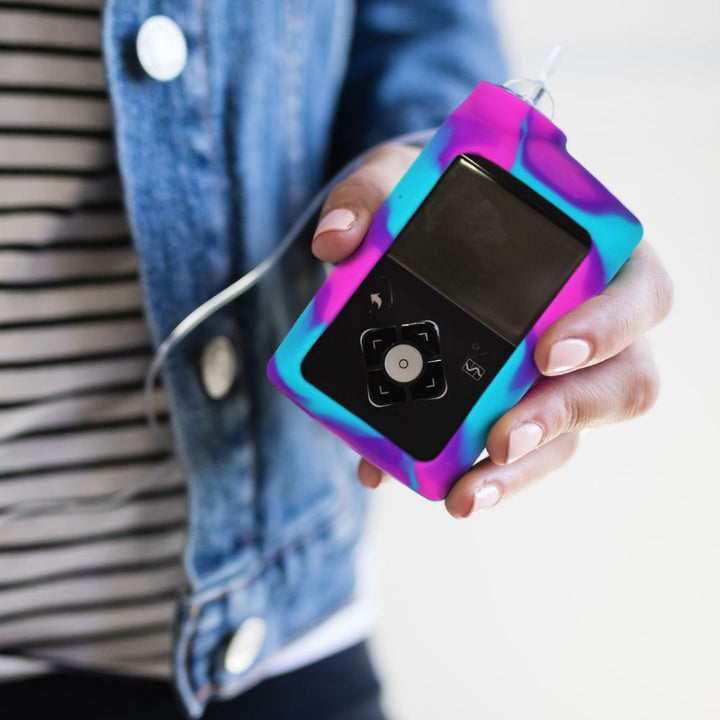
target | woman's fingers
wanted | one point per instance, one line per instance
(350, 207)
(638, 298)
(486, 484)
(540, 432)
(370, 476)
(617, 389)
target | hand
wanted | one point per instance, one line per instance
(596, 362)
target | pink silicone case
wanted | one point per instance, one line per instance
(497, 125)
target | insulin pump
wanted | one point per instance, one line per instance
(416, 345)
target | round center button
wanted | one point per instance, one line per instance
(403, 363)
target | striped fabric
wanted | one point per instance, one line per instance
(95, 586)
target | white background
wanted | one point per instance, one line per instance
(596, 594)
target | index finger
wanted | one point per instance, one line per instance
(639, 297)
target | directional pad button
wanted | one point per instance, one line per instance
(383, 391)
(431, 384)
(376, 342)
(403, 363)
(423, 335)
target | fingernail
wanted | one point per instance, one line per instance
(567, 355)
(522, 439)
(486, 496)
(336, 220)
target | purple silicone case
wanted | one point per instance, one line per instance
(493, 123)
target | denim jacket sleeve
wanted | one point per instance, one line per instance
(411, 63)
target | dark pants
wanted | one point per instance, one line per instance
(341, 687)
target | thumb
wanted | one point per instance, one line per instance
(352, 203)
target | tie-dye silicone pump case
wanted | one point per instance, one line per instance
(396, 353)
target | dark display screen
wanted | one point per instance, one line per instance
(494, 255)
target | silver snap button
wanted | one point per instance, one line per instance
(218, 367)
(245, 645)
(161, 48)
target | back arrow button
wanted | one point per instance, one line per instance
(379, 294)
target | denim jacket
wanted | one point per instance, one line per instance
(215, 164)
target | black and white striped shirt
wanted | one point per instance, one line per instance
(95, 586)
